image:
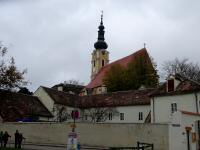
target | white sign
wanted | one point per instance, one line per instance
(72, 141)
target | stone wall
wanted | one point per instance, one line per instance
(109, 135)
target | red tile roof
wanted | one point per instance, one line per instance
(98, 80)
(122, 98)
(15, 106)
(61, 97)
(190, 113)
(185, 86)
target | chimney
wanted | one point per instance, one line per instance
(60, 88)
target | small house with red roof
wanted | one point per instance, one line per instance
(59, 103)
(177, 93)
(177, 103)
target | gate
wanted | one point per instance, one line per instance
(140, 146)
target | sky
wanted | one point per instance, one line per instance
(54, 39)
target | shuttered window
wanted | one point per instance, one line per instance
(140, 116)
(173, 107)
(121, 116)
(110, 116)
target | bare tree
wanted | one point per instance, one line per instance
(61, 113)
(183, 67)
(74, 82)
(99, 114)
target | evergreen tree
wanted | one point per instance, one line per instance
(140, 71)
(115, 78)
(144, 71)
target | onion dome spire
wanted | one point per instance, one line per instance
(101, 44)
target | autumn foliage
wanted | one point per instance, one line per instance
(10, 76)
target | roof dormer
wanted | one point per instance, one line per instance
(172, 83)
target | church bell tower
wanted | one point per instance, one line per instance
(100, 56)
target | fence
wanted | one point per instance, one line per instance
(140, 146)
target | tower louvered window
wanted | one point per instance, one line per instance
(102, 63)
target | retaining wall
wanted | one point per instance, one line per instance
(109, 135)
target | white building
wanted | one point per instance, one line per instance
(177, 103)
(116, 107)
(59, 103)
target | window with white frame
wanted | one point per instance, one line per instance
(121, 116)
(140, 117)
(173, 107)
(110, 116)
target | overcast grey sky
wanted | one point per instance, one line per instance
(54, 39)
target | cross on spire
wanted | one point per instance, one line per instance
(101, 44)
(102, 17)
(144, 45)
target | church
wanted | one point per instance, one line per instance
(175, 103)
(100, 63)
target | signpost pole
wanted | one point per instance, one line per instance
(72, 136)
